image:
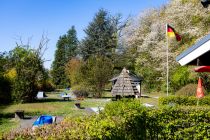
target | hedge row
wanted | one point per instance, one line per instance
(183, 100)
(129, 120)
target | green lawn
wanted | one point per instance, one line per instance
(6, 124)
(152, 98)
(54, 105)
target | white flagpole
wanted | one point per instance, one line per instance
(167, 69)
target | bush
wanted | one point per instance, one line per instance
(47, 86)
(128, 120)
(5, 90)
(183, 100)
(81, 93)
(188, 90)
(181, 76)
(29, 70)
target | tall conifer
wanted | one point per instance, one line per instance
(101, 36)
(66, 49)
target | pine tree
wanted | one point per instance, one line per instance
(72, 43)
(101, 36)
(59, 63)
(66, 49)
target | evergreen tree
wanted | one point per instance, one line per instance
(66, 49)
(101, 36)
(71, 45)
(59, 63)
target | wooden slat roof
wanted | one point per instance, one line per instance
(124, 85)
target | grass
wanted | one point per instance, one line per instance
(6, 124)
(152, 98)
(53, 105)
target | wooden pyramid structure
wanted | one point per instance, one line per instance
(124, 85)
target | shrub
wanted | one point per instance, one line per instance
(28, 72)
(81, 93)
(183, 100)
(188, 90)
(128, 120)
(5, 90)
(47, 86)
(181, 76)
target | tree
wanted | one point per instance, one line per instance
(58, 64)
(66, 49)
(96, 73)
(73, 72)
(71, 45)
(26, 70)
(29, 69)
(147, 34)
(5, 83)
(101, 36)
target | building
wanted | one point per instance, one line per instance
(197, 55)
(126, 84)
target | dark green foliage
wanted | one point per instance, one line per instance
(178, 123)
(5, 83)
(81, 93)
(101, 36)
(128, 120)
(183, 100)
(29, 68)
(45, 83)
(66, 49)
(125, 59)
(5, 90)
(71, 44)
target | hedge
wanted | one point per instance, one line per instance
(129, 120)
(183, 100)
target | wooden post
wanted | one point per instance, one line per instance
(198, 61)
(140, 89)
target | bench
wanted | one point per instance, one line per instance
(66, 97)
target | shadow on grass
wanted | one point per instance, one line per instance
(7, 115)
(100, 97)
(52, 100)
(145, 96)
(27, 118)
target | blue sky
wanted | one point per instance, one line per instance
(31, 18)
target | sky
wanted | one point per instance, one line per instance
(28, 20)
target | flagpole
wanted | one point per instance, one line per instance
(167, 70)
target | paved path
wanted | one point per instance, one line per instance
(28, 121)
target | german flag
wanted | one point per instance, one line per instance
(172, 33)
